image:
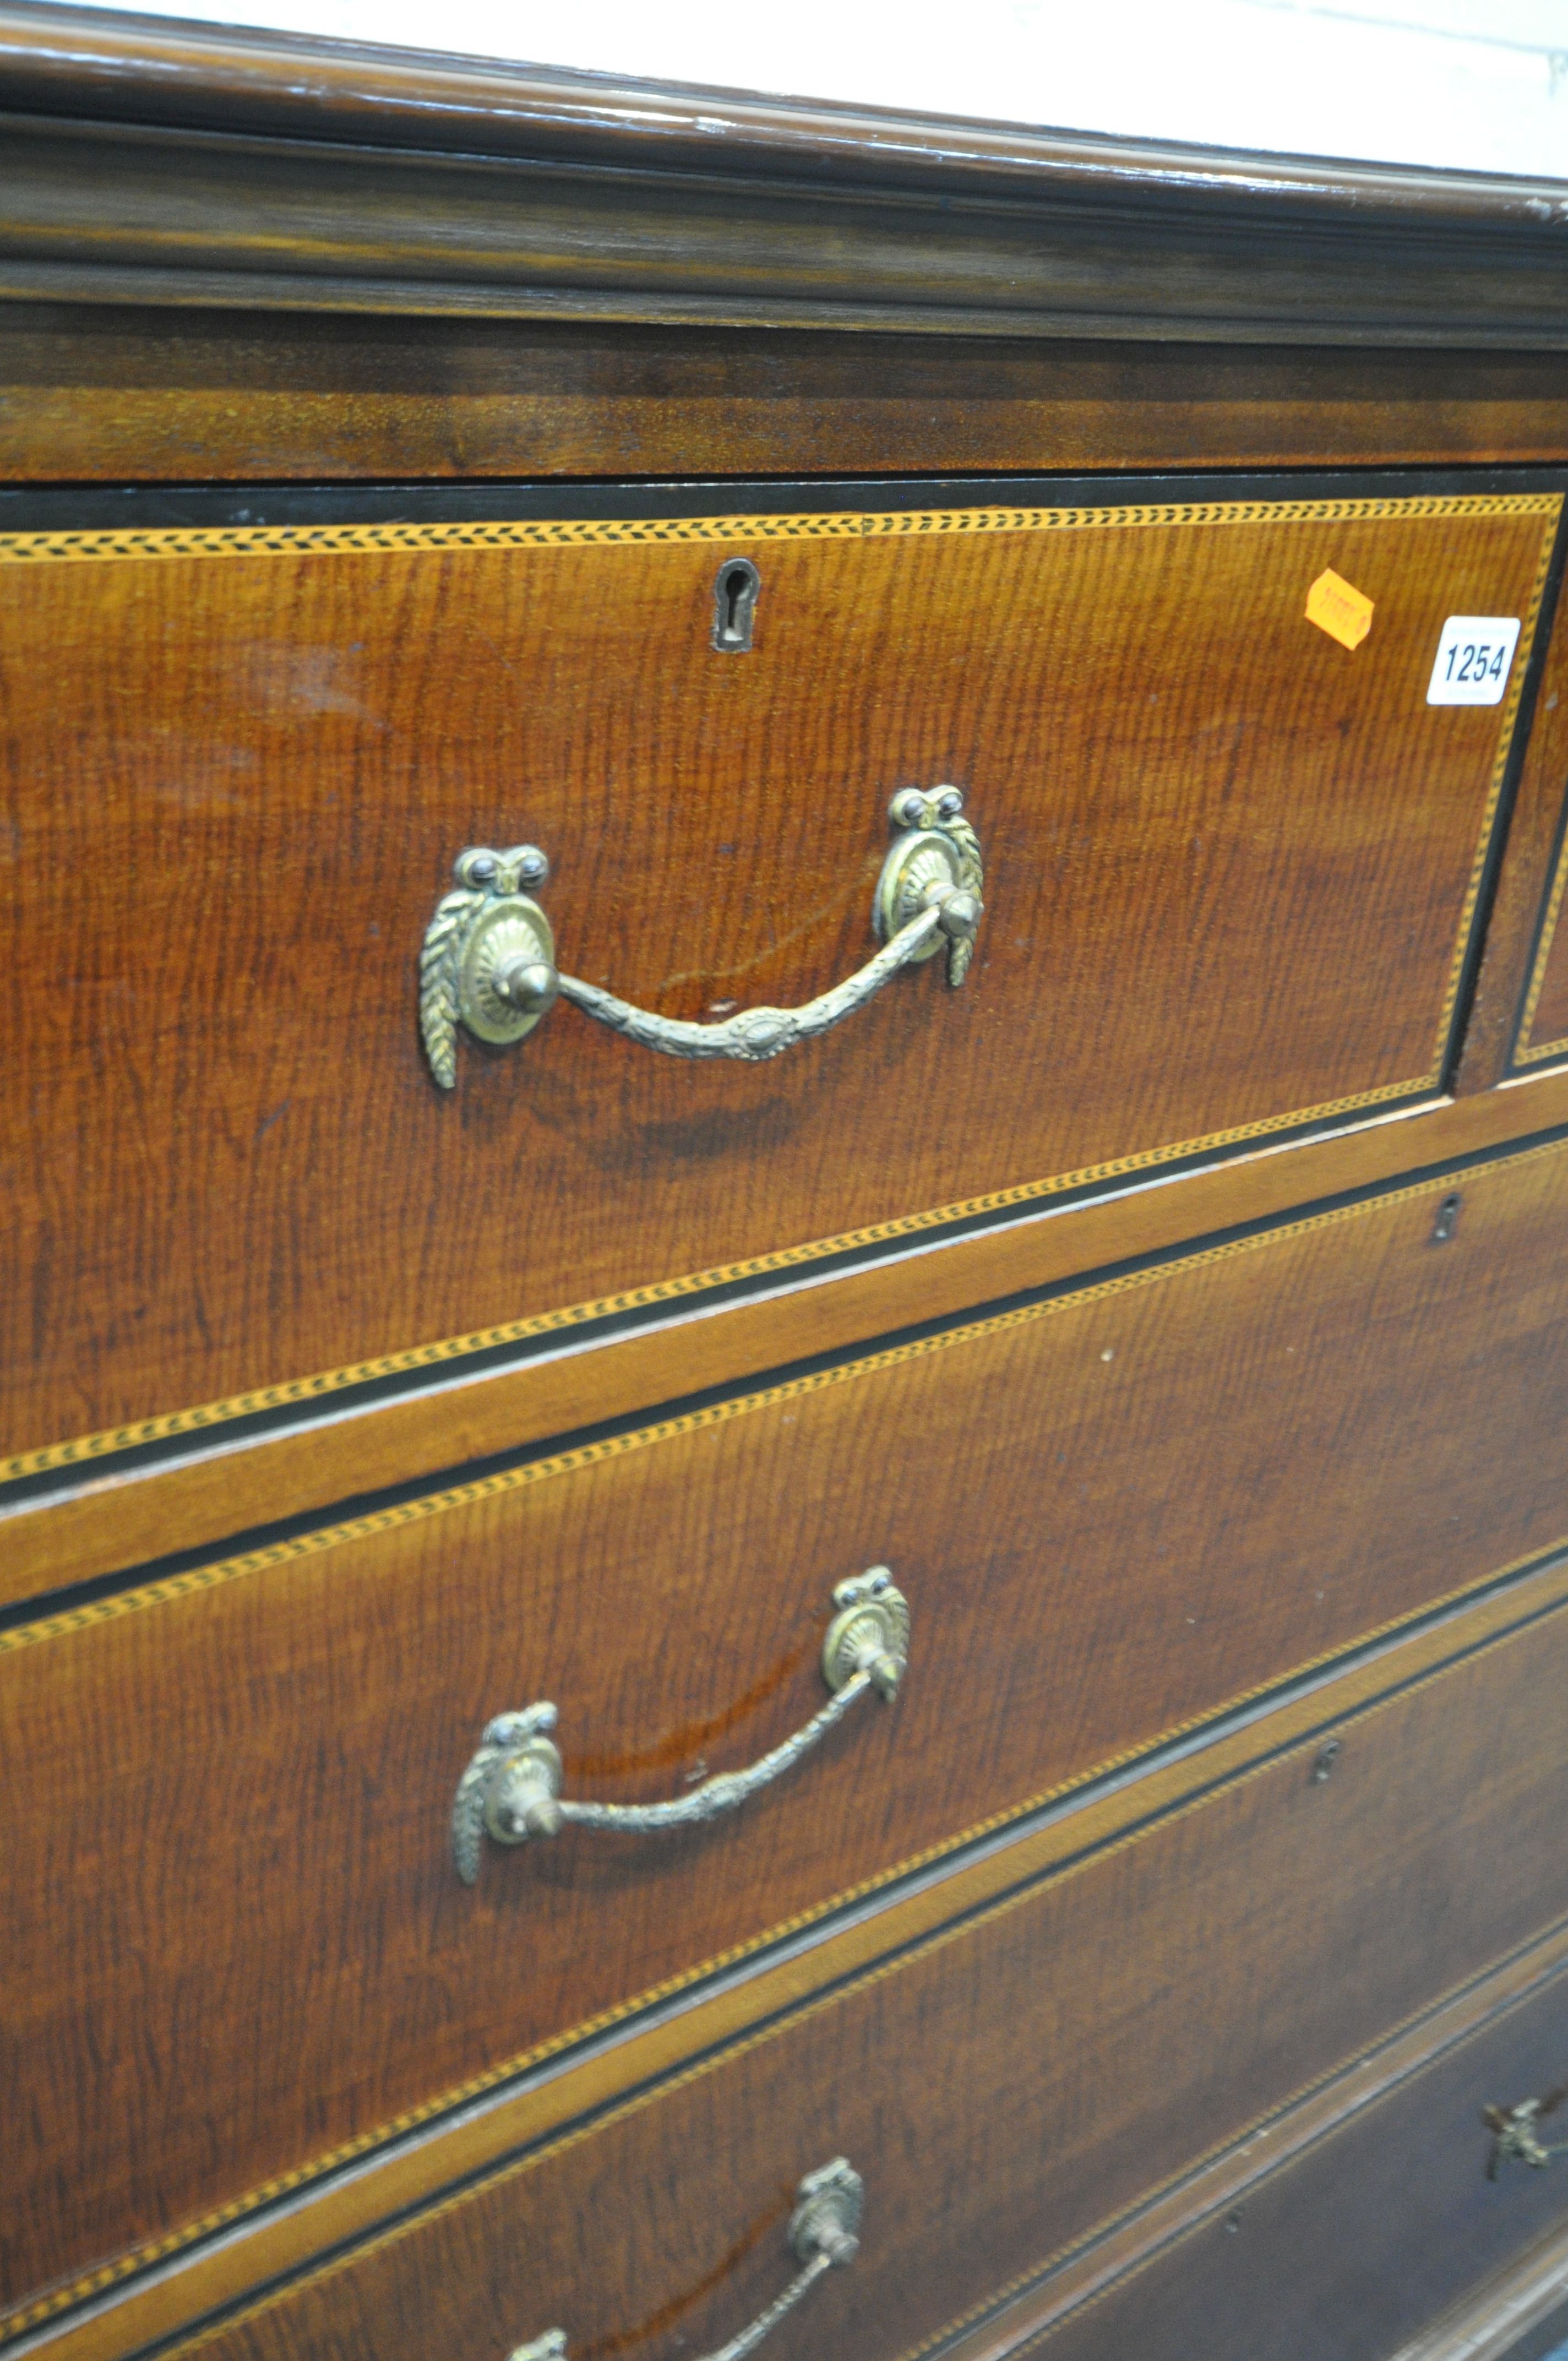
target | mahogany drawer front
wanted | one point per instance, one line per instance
(1015, 2079)
(1112, 1511)
(1368, 2238)
(1230, 881)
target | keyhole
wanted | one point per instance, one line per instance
(735, 605)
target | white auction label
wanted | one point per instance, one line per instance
(1473, 659)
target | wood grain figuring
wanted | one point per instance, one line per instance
(124, 2306)
(1293, 1440)
(1544, 1025)
(1359, 2245)
(179, 165)
(95, 395)
(1010, 2084)
(117, 1514)
(1074, 1934)
(1496, 1031)
(1097, 2271)
(1231, 895)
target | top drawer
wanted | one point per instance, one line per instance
(1231, 870)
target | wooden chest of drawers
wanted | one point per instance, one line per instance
(784, 1531)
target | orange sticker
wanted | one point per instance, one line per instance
(1338, 607)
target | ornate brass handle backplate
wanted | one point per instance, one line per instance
(512, 1789)
(1515, 2135)
(488, 962)
(824, 2232)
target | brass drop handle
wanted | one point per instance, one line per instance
(1513, 2131)
(488, 960)
(511, 1788)
(824, 2235)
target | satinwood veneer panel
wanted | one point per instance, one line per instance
(1232, 870)
(235, 1940)
(1013, 2081)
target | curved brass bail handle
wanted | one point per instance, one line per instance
(511, 1788)
(823, 2234)
(488, 960)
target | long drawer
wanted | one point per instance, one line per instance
(1015, 2079)
(1357, 2247)
(236, 1935)
(1230, 876)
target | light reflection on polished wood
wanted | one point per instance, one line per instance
(1120, 1443)
(1044, 2106)
(330, 1207)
